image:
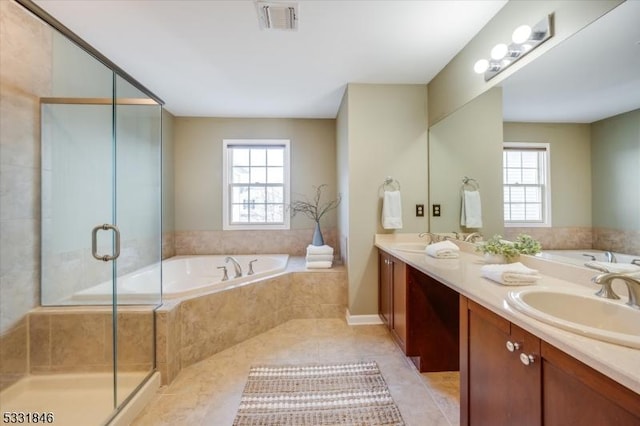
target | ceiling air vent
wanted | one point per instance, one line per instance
(278, 16)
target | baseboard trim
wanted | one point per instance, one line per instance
(362, 319)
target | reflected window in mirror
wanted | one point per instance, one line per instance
(527, 194)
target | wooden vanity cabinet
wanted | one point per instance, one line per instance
(510, 377)
(392, 297)
(576, 394)
(500, 370)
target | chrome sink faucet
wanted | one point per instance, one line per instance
(430, 235)
(633, 285)
(473, 237)
(236, 266)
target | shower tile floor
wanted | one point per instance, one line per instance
(208, 393)
(74, 399)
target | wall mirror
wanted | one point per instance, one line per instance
(582, 97)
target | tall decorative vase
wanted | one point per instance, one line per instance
(317, 236)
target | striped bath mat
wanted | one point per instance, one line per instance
(333, 394)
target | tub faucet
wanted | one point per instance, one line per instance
(236, 266)
(251, 267)
(611, 258)
(633, 285)
(225, 276)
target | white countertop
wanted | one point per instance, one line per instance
(620, 363)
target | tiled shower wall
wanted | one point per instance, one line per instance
(25, 76)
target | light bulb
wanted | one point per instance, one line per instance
(521, 34)
(481, 66)
(499, 51)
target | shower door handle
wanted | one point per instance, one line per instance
(94, 242)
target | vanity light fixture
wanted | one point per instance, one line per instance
(523, 40)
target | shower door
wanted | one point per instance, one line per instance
(137, 199)
(100, 228)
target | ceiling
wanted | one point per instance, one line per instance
(593, 75)
(210, 58)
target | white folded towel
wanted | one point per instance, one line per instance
(510, 274)
(443, 250)
(392, 210)
(319, 258)
(613, 267)
(318, 265)
(471, 210)
(325, 249)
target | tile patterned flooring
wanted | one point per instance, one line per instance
(208, 393)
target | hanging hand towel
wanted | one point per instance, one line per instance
(510, 274)
(471, 211)
(392, 210)
(443, 250)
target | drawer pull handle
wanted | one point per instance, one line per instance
(527, 359)
(512, 346)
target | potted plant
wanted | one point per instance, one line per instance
(497, 250)
(314, 210)
(525, 244)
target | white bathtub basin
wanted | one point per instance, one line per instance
(581, 312)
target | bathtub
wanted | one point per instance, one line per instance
(182, 276)
(577, 257)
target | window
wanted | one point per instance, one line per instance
(526, 184)
(255, 184)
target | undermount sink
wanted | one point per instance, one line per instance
(581, 312)
(410, 247)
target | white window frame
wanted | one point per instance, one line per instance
(226, 184)
(546, 197)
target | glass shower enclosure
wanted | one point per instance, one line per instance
(100, 227)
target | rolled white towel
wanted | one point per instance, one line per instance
(319, 258)
(613, 267)
(443, 250)
(510, 274)
(325, 249)
(319, 265)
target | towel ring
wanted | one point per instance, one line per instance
(470, 183)
(390, 184)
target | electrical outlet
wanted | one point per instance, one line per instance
(435, 210)
(419, 210)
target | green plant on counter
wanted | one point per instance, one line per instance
(525, 244)
(497, 246)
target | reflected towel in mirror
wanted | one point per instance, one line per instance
(471, 210)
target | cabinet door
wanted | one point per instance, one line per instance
(576, 394)
(504, 372)
(399, 303)
(433, 318)
(385, 269)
